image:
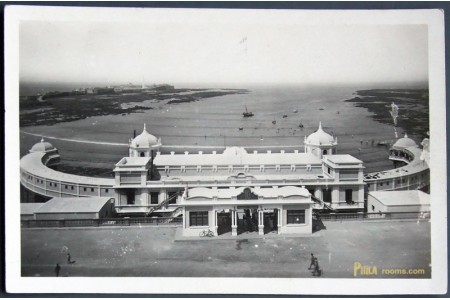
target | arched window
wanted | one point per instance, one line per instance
(324, 152)
(142, 154)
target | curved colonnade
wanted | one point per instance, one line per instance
(38, 177)
(413, 173)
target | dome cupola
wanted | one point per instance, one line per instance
(404, 142)
(320, 138)
(143, 144)
(320, 143)
(42, 146)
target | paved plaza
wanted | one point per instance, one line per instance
(156, 251)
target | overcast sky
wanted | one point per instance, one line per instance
(221, 52)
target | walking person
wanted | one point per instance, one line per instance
(57, 269)
(317, 271)
(313, 262)
(69, 259)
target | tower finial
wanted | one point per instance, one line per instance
(320, 125)
(145, 127)
(42, 139)
(406, 135)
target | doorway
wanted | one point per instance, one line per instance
(223, 223)
(249, 221)
(271, 221)
(129, 193)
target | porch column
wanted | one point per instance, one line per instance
(216, 226)
(335, 197)
(279, 220)
(318, 193)
(162, 195)
(260, 222)
(234, 222)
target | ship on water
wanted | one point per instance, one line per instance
(247, 113)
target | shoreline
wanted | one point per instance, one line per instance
(413, 105)
(61, 109)
(109, 151)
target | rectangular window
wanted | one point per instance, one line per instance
(349, 195)
(329, 171)
(106, 190)
(65, 186)
(92, 189)
(198, 218)
(153, 198)
(84, 189)
(296, 216)
(373, 208)
(71, 187)
(173, 197)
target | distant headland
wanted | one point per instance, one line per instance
(64, 106)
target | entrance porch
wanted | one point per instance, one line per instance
(284, 210)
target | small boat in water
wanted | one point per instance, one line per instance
(295, 111)
(274, 122)
(300, 125)
(284, 116)
(241, 128)
(247, 113)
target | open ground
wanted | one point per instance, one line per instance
(154, 252)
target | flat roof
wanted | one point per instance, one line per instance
(400, 198)
(134, 161)
(73, 205)
(210, 176)
(342, 159)
(237, 156)
(29, 208)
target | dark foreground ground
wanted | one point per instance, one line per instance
(152, 251)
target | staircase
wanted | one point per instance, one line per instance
(176, 212)
(322, 203)
(166, 201)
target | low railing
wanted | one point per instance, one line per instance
(362, 216)
(178, 221)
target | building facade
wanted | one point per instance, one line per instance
(265, 191)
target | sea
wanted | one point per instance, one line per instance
(215, 123)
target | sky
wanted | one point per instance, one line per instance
(221, 52)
